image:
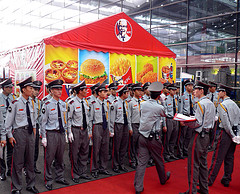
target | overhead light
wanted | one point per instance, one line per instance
(138, 5)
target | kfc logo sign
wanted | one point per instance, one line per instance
(123, 30)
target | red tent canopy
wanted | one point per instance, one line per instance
(101, 36)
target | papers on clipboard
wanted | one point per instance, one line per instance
(183, 118)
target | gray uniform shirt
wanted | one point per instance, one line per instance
(134, 111)
(216, 99)
(96, 115)
(168, 105)
(50, 116)
(75, 113)
(145, 97)
(116, 113)
(3, 103)
(69, 98)
(111, 98)
(37, 108)
(151, 112)
(185, 103)
(231, 117)
(17, 115)
(46, 99)
(205, 119)
(90, 99)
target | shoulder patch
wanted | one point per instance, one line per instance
(43, 111)
(88, 98)
(14, 101)
(72, 101)
(44, 99)
(47, 102)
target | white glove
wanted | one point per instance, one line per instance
(111, 134)
(216, 118)
(236, 139)
(70, 137)
(44, 142)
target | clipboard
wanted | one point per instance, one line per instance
(183, 118)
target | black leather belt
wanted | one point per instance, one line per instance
(55, 130)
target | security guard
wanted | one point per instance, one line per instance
(100, 132)
(37, 107)
(149, 141)
(93, 97)
(134, 120)
(229, 114)
(54, 123)
(21, 130)
(78, 119)
(187, 108)
(165, 92)
(113, 89)
(146, 95)
(197, 150)
(6, 97)
(119, 127)
(130, 96)
(171, 107)
(48, 97)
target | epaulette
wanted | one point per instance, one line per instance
(14, 101)
(44, 99)
(93, 101)
(115, 100)
(47, 102)
(72, 101)
(128, 101)
(88, 98)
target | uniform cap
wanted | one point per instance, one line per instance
(166, 84)
(37, 84)
(122, 90)
(94, 87)
(55, 84)
(171, 87)
(201, 85)
(137, 86)
(130, 86)
(80, 86)
(224, 88)
(7, 83)
(155, 87)
(113, 86)
(101, 87)
(146, 85)
(26, 82)
(188, 82)
(212, 84)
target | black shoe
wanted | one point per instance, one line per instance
(150, 162)
(75, 180)
(168, 174)
(123, 168)
(167, 158)
(63, 182)
(86, 177)
(3, 177)
(24, 172)
(37, 171)
(105, 172)
(9, 173)
(133, 166)
(225, 183)
(200, 191)
(174, 157)
(16, 192)
(49, 187)
(210, 184)
(116, 170)
(94, 174)
(185, 154)
(32, 189)
(180, 156)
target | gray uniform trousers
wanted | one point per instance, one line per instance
(23, 154)
(224, 151)
(171, 137)
(54, 151)
(184, 139)
(133, 143)
(121, 135)
(147, 148)
(100, 148)
(197, 163)
(78, 151)
(9, 158)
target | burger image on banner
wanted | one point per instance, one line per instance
(93, 71)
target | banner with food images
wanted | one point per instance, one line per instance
(122, 68)
(93, 67)
(61, 63)
(147, 69)
(167, 70)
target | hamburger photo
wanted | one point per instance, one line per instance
(93, 71)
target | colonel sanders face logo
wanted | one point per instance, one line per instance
(123, 30)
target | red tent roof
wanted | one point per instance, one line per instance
(101, 36)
